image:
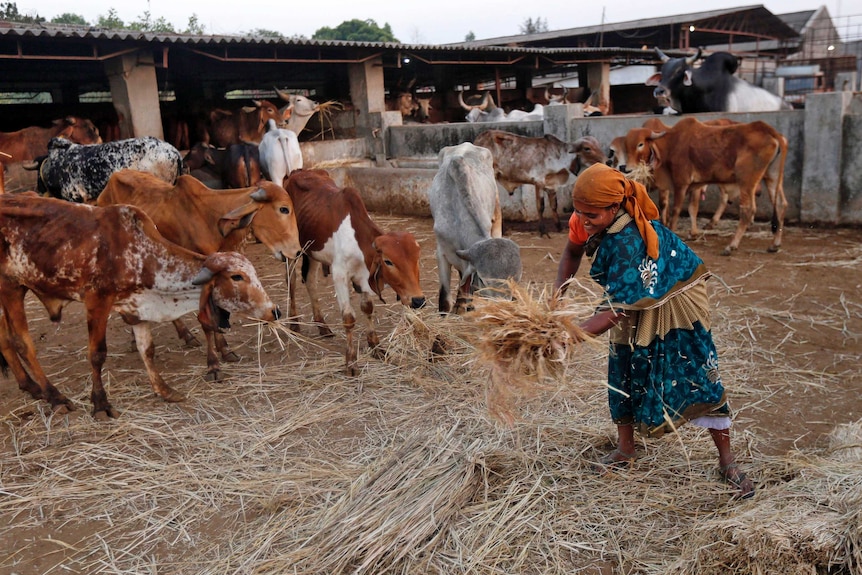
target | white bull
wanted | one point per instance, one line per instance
(468, 225)
(279, 153)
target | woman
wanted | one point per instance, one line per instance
(662, 365)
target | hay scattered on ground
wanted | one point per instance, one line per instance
(288, 467)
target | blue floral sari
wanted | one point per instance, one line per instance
(662, 365)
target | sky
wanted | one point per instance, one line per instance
(412, 22)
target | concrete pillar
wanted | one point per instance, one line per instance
(135, 93)
(599, 80)
(367, 91)
(368, 94)
(558, 120)
(822, 156)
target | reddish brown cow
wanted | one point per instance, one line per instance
(207, 221)
(692, 154)
(247, 124)
(695, 195)
(544, 163)
(29, 143)
(335, 230)
(110, 259)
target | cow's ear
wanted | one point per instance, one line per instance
(654, 80)
(654, 157)
(687, 78)
(238, 218)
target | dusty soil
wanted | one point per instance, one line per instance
(802, 313)
(804, 303)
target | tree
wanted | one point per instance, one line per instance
(470, 37)
(195, 26)
(111, 21)
(69, 18)
(265, 33)
(9, 11)
(537, 26)
(356, 30)
(145, 23)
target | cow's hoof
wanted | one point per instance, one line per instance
(213, 375)
(174, 396)
(294, 327)
(62, 408)
(726, 251)
(324, 331)
(774, 249)
(106, 414)
(192, 341)
(377, 352)
(230, 357)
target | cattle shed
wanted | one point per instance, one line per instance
(143, 81)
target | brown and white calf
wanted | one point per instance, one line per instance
(544, 163)
(205, 221)
(109, 259)
(336, 230)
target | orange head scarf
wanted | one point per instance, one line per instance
(601, 186)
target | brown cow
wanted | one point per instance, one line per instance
(247, 124)
(110, 259)
(695, 195)
(206, 221)
(336, 231)
(27, 144)
(544, 163)
(692, 154)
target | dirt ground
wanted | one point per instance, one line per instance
(802, 313)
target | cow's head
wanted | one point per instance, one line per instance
(617, 153)
(641, 150)
(229, 284)
(587, 151)
(266, 111)
(298, 108)
(675, 75)
(491, 263)
(272, 218)
(423, 108)
(200, 155)
(397, 265)
(78, 130)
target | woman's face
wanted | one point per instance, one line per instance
(595, 220)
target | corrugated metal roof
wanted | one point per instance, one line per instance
(776, 28)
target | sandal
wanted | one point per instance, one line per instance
(733, 476)
(615, 460)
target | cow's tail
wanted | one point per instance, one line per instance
(4, 365)
(247, 160)
(777, 193)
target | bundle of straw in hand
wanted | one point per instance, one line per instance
(526, 342)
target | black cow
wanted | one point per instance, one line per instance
(79, 173)
(710, 88)
(237, 166)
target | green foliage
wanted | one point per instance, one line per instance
(537, 26)
(69, 18)
(357, 31)
(195, 26)
(111, 21)
(265, 33)
(470, 37)
(145, 23)
(9, 11)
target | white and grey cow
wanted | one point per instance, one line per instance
(279, 153)
(79, 173)
(468, 226)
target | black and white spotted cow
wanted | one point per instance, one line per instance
(79, 173)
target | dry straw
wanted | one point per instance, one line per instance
(527, 342)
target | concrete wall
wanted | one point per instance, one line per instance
(822, 178)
